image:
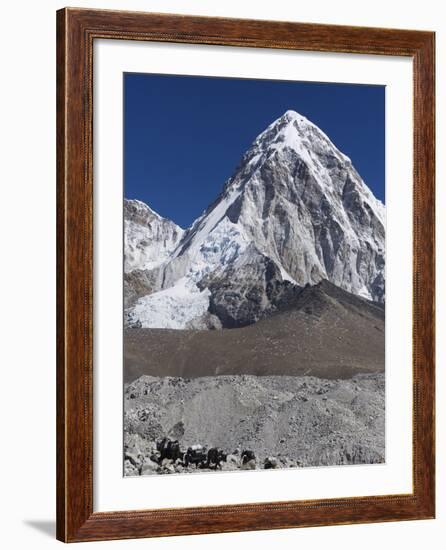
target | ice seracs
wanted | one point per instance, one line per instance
(295, 212)
(176, 307)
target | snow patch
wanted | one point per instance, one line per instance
(172, 308)
(285, 275)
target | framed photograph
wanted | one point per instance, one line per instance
(245, 220)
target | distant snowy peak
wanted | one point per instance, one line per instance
(299, 199)
(314, 149)
(148, 237)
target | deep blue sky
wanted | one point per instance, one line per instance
(184, 135)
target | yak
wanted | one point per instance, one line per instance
(247, 456)
(169, 449)
(195, 455)
(215, 457)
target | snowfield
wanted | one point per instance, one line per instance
(172, 308)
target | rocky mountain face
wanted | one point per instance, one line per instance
(148, 241)
(148, 238)
(295, 212)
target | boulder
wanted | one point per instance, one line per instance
(149, 467)
(249, 465)
(270, 463)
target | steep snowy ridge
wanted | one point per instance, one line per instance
(294, 212)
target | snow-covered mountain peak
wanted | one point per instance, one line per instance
(296, 131)
(295, 212)
(140, 212)
(293, 141)
(290, 117)
(148, 237)
(300, 200)
(289, 120)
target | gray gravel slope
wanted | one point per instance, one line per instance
(300, 421)
(326, 332)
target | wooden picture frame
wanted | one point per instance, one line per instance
(76, 31)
